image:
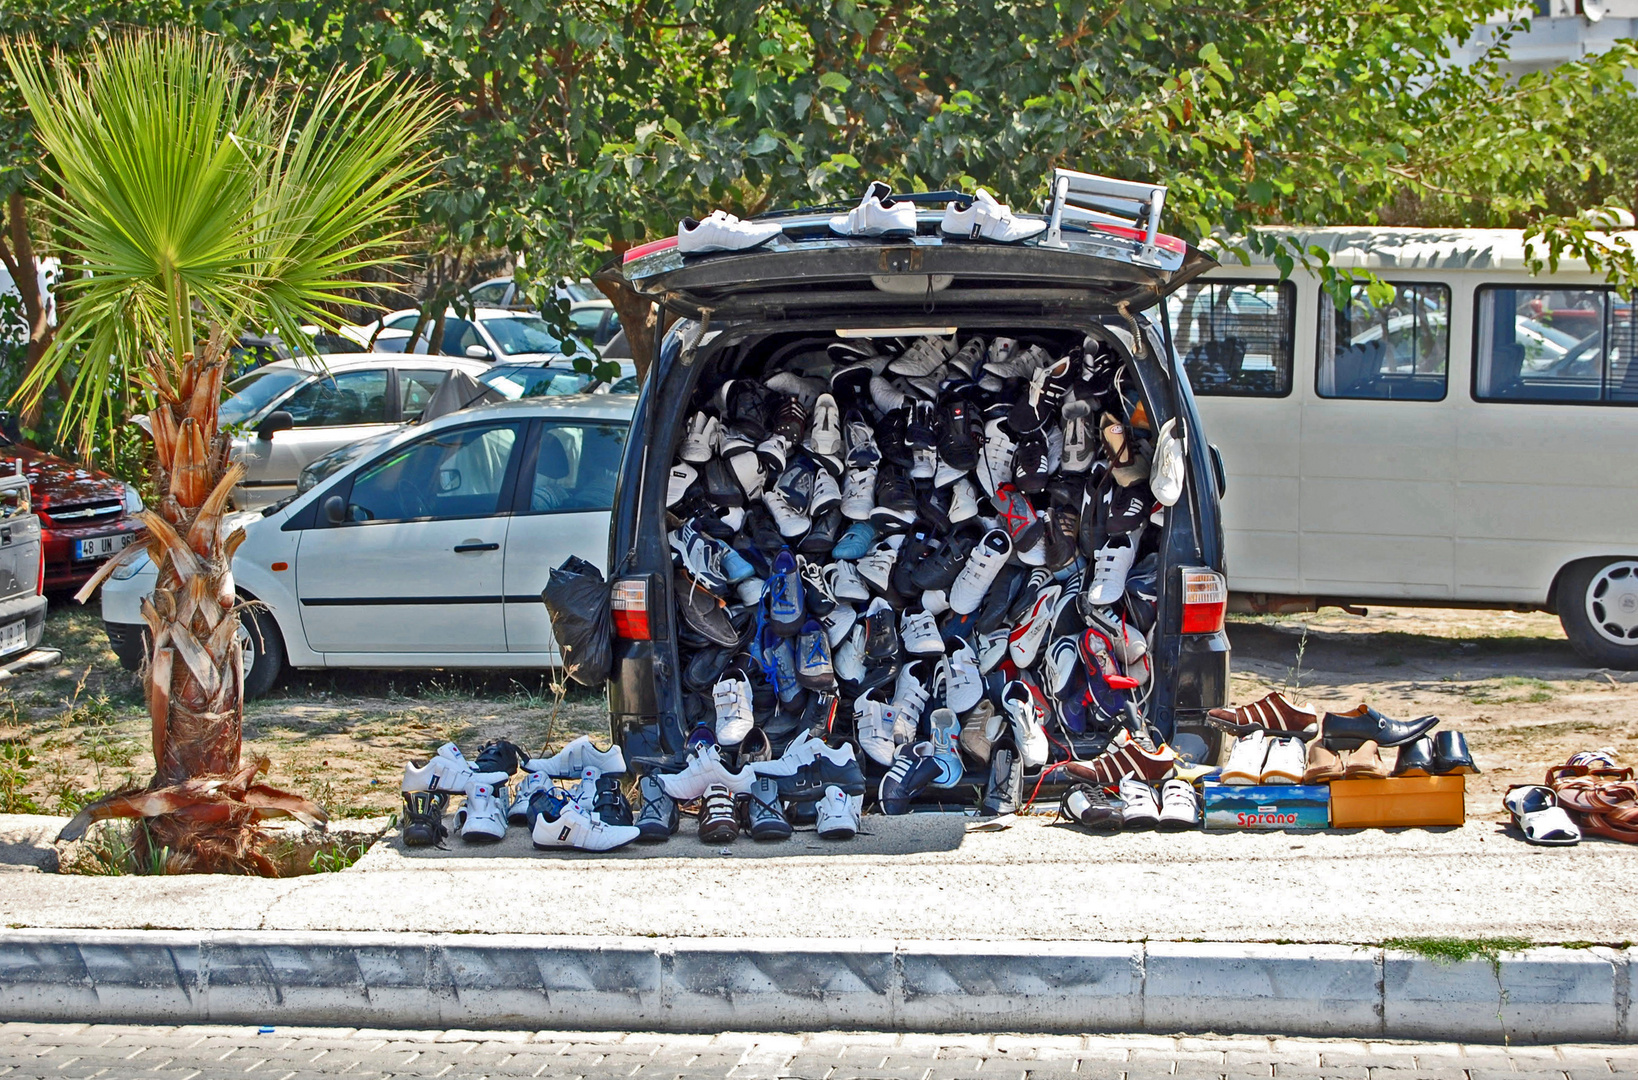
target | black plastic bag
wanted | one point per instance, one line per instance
(577, 601)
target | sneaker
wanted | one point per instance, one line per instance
(1080, 446)
(764, 817)
(1129, 647)
(895, 500)
(1140, 808)
(817, 598)
(1125, 757)
(826, 495)
(1039, 404)
(658, 819)
(1286, 762)
(718, 823)
(1019, 364)
(986, 219)
(944, 734)
(881, 639)
(1006, 780)
(791, 521)
(878, 214)
(424, 817)
(957, 435)
(1024, 643)
(919, 634)
(876, 568)
(963, 501)
(813, 662)
(786, 611)
(995, 458)
(1092, 808)
(940, 569)
(839, 814)
(975, 739)
(913, 770)
(731, 697)
(701, 440)
(447, 770)
(828, 766)
(821, 539)
(772, 453)
(844, 582)
(856, 542)
(482, 820)
(722, 231)
(1110, 566)
(1031, 464)
(873, 727)
(859, 493)
(983, 566)
(561, 824)
(531, 785)
(804, 389)
(1028, 719)
(860, 439)
(680, 479)
(1179, 806)
(610, 804)
(702, 558)
(910, 696)
(704, 768)
(745, 406)
(848, 658)
(572, 760)
(886, 396)
(963, 684)
(925, 355)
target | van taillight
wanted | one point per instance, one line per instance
(628, 602)
(1205, 599)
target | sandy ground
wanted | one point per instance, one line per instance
(1509, 680)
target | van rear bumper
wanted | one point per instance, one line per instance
(32, 611)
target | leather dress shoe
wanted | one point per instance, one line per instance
(1271, 713)
(1415, 758)
(1450, 755)
(1347, 731)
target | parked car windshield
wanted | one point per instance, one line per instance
(326, 465)
(250, 394)
(526, 382)
(522, 334)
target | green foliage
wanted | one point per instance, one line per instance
(16, 762)
(1450, 950)
(338, 856)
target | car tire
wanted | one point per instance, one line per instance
(1597, 602)
(264, 651)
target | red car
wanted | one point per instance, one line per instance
(85, 515)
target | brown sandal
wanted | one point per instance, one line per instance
(1604, 801)
(1364, 763)
(1323, 764)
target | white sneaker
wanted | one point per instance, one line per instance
(1142, 809)
(483, 818)
(1110, 565)
(1024, 643)
(773, 452)
(1245, 763)
(1080, 448)
(1020, 364)
(963, 501)
(924, 463)
(910, 695)
(876, 568)
(838, 625)
(945, 474)
(803, 389)
(918, 633)
(722, 231)
(825, 493)
(1179, 805)
(731, 697)
(930, 384)
(1286, 762)
(963, 684)
(980, 571)
(859, 495)
(1028, 728)
(704, 768)
(935, 602)
(748, 471)
(572, 760)
(446, 770)
(576, 828)
(1126, 643)
(844, 582)
(878, 214)
(839, 814)
(992, 649)
(792, 522)
(885, 395)
(873, 726)
(824, 436)
(584, 794)
(995, 458)
(676, 485)
(924, 356)
(701, 440)
(862, 451)
(847, 659)
(1166, 471)
(986, 219)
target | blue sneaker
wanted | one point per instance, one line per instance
(946, 731)
(855, 542)
(813, 664)
(735, 566)
(702, 735)
(914, 768)
(784, 596)
(783, 656)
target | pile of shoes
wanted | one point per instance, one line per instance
(1591, 794)
(937, 551)
(589, 812)
(1281, 743)
(1136, 805)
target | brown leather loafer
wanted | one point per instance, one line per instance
(1323, 764)
(1364, 763)
(1119, 762)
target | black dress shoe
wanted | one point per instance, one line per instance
(1415, 758)
(1347, 731)
(1450, 755)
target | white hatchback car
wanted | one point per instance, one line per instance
(429, 551)
(504, 334)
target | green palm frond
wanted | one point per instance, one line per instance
(192, 196)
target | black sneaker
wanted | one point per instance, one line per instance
(763, 530)
(820, 714)
(1062, 532)
(764, 818)
(1128, 508)
(790, 420)
(992, 614)
(1043, 395)
(1029, 464)
(610, 803)
(500, 756)
(895, 500)
(957, 434)
(747, 409)
(808, 783)
(424, 817)
(921, 435)
(939, 569)
(918, 545)
(881, 633)
(658, 819)
(827, 529)
(933, 505)
(722, 488)
(1006, 780)
(893, 437)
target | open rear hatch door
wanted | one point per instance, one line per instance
(1101, 251)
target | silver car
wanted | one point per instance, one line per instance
(283, 415)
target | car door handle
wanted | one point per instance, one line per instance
(473, 545)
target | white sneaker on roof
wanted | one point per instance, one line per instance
(987, 219)
(722, 231)
(878, 214)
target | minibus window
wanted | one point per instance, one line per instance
(1235, 337)
(1554, 345)
(1396, 351)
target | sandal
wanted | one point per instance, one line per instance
(1538, 816)
(1323, 764)
(1364, 763)
(1603, 800)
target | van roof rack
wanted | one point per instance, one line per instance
(1088, 199)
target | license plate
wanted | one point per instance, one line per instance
(100, 547)
(13, 637)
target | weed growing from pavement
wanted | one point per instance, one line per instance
(336, 857)
(1451, 950)
(1293, 676)
(16, 762)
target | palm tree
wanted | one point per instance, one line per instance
(200, 203)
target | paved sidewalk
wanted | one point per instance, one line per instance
(920, 877)
(206, 1053)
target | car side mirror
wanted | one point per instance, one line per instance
(479, 352)
(335, 510)
(277, 420)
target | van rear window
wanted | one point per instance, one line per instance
(1572, 346)
(1235, 337)
(1398, 350)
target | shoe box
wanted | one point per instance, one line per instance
(1266, 808)
(1398, 801)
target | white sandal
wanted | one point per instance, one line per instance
(1538, 816)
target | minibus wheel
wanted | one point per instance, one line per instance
(1598, 607)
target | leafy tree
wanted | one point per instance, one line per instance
(198, 203)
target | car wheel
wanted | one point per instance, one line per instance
(263, 651)
(1598, 608)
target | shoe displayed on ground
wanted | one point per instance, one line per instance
(1344, 731)
(1127, 758)
(722, 231)
(878, 214)
(657, 819)
(731, 698)
(1091, 808)
(986, 219)
(446, 770)
(530, 786)
(1006, 781)
(1110, 567)
(561, 824)
(839, 814)
(1271, 713)
(1140, 809)
(1245, 763)
(913, 770)
(610, 804)
(424, 817)
(764, 818)
(482, 819)
(984, 565)
(1179, 806)
(1028, 719)
(718, 824)
(1537, 815)
(703, 769)
(1286, 763)
(945, 734)
(830, 766)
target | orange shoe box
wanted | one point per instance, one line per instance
(1398, 801)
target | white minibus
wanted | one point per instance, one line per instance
(1471, 443)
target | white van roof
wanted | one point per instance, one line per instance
(1366, 248)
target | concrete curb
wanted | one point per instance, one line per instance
(656, 984)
